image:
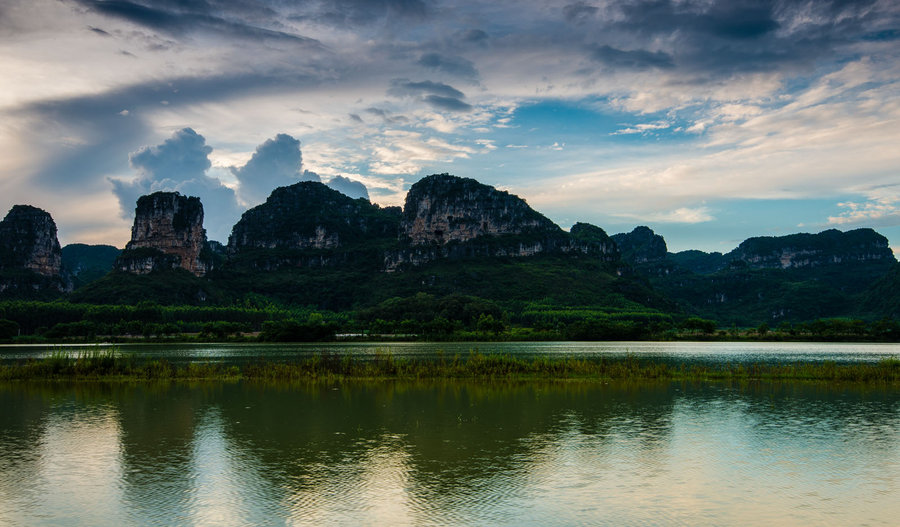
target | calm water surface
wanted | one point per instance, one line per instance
(458, 453)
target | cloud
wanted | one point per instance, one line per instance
(435, 94)
(180, 164)
(643, 128)
(473, 36)
(447, 103)
(348, 187)
(875, 212)
(182, 157)
(456, 66)
(181, 18)
(349, 13)
(275, 163)
(634, 59)
(579, 12)
(386, 116)
(408, 152)
(406, 88)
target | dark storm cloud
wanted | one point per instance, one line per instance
(635, 59)
(181, 18)
(707, 41)
(457, 66)
(726, 18)
(404, 88)
(447, 103)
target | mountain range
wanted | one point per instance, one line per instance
(310, 245)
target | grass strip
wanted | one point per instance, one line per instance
(112, 365)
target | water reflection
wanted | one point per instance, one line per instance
(448, 453)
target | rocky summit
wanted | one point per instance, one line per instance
(28, 241)
(167, 233)
(449, 217)
(441, 208)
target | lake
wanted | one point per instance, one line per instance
(455, 453)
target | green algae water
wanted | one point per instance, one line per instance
(448, 453)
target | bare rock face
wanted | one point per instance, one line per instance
(441, 208)
(449, 217)
(30, 256)
(167, 233)
(28, 241)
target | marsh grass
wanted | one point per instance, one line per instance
(110, 364)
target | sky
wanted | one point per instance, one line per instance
(708, 121)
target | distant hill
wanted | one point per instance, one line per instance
(82, 264)
(773, 279)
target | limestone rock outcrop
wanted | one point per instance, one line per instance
(28, 241)
(441, 208)
(813, 250)
(30, 256)
(167, 233)
(449, 217)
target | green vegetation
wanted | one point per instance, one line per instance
(748, 297)
(87, 263)
(105, 365)
(419, 317)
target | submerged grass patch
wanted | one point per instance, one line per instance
(110, 365)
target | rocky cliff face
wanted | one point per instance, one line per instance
(440, 209)
(641, 246)
(813, 250)
(30, 256)
(449, 217)
(28, 241)
(167, 233)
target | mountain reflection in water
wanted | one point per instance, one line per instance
(448, 453)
